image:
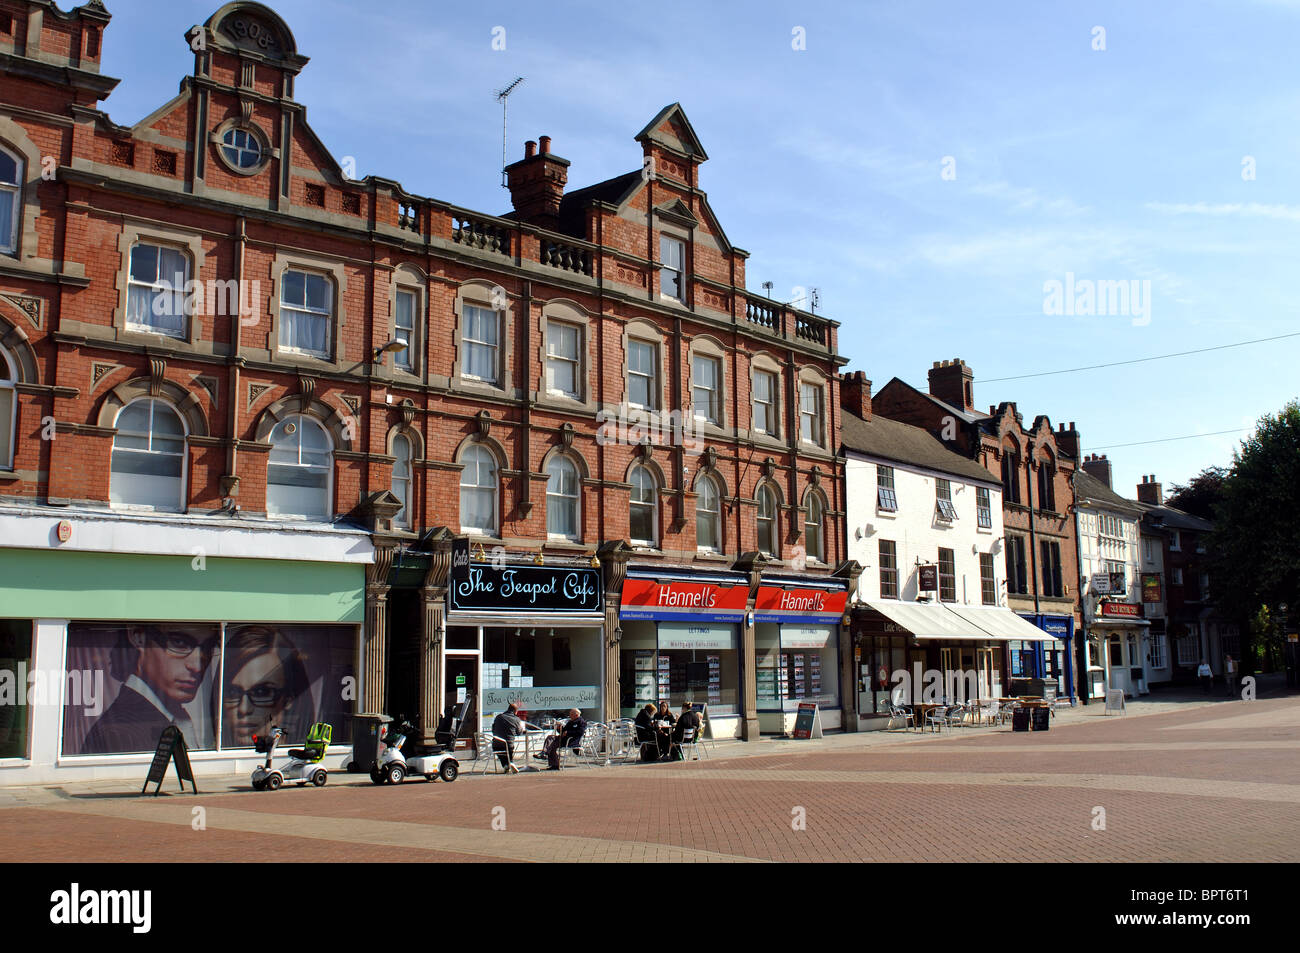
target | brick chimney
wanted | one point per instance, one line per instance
(1098, 467)
(1149, 491)
(1067, 441)
(537, 182)
(855, 394)
(953, 383)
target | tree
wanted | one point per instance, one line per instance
(1255, 546)
(1201, 494)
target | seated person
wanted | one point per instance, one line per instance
(647, 733)
(506, 727)
(665, 714)
(689, 718)
(570, 736)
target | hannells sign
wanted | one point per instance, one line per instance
(485, 588)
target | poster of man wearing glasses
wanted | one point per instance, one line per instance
(157, 674)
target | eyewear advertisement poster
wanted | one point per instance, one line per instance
(218, 685)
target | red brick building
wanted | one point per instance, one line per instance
(1035, 465)
(206, 327)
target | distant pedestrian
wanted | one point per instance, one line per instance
(1206, 675)
(1230, 674)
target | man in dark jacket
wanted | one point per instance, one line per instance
(506, 727)
(689, 718)
(570, 736)
(647, 734)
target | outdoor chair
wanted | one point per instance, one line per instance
(937, 718)
(688, 742)
(483, 753)
(908, 718)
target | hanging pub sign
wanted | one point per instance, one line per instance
(1151, 587)
(683, 601)
(928, 577)
(776, 604)
(554, 589)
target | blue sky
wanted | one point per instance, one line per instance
(1122, 164)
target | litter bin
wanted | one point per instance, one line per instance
(1020, 719)
(367, 741)
(1137, 677)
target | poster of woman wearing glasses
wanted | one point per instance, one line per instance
(157, 674)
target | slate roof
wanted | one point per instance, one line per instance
(903, 443)
(1088, 487)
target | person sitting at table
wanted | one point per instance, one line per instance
(506, 727)
(665, 714)
(647, 733)
(570, 736)
(689, 718)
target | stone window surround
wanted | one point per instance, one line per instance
(647, 333)
(810, 493)
(584, 477)
(808, 374)
(684, 237)
(478, 292)
(191, 244)
(238, 122)
(498, 453)
(14, 137)
(719, 482)
(332, 268)
(406, 277)
(767, 483)
(657, 474)
(707, 346)
(764, 362)
(183, 504)
(569, 312)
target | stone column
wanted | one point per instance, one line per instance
(374, 656)
(433, 629)
(849, 571)
(752, 565)
(613, 562)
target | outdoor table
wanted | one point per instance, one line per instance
(920, 709)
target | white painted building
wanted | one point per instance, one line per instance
(914, 509)
(1120, 652)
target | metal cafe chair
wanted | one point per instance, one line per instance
(908, 718)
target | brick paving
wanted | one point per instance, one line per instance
(1208, 782)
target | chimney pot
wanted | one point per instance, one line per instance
(530, 149)
(544, 142)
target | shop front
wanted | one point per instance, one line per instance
(797, 651)
(523, 633)
(116, 627)
(680, 643)
(1118, 633)
(1045, 658)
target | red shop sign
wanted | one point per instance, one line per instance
(684, 601)
(1128, 610)
(775, 604)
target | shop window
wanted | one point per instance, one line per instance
(155, 296)
(402, 480)
(8, 409)
(563, 505)
(478, 492)
(708, 517)
(299, 471)
(11, 199)
(643, 508)
(15, 657)
(148, 460)
(219, 684)
(766, 521)
(566, 660)
(699, 662)
(306, 313)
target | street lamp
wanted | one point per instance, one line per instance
(389, 347)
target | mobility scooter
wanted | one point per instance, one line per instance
(304, 763)
(393, 766)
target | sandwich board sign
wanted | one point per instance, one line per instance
(171, 747)
(1115, 701)
(808, 722)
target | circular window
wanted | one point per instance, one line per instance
(241, 149)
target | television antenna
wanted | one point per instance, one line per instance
(502, 96)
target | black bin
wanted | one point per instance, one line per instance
(1020, 719)
(1040, 718)
(367, 741)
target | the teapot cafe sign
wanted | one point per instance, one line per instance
(485, 588)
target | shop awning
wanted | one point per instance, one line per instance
(1002, 624)
(929, 620)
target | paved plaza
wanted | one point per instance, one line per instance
(1179, 780)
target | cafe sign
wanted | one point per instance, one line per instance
(532, 589)
(928, 578)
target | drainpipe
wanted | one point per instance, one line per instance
(1080, 666)
(232, 394)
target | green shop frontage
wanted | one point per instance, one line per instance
(114, 627)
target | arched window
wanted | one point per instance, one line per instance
(11, 199)
(644, 508)
(478, 492)
(766, 521)
(155, 297)
(402, 480)
(563, 510)
(814, 543)
(708, 517)
(8, 409)
(148, 462)
(300, 469)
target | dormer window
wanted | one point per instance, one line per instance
(672, 268)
